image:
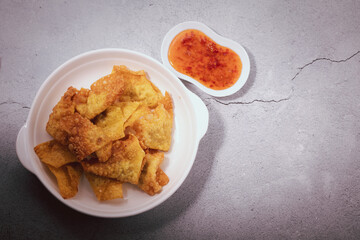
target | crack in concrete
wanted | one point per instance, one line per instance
(292, 79)
(251, 102)
(13, 102)
(324, 59)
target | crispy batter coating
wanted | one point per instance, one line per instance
(138, 87)
(127, 108)
(161, 177)
(80, 101)
(68, 178)
(123, 68)
(104, 153)
(105, 130)
(54, 154)
(140, 112)
(64, 107)
(153, 127)
(113, 119)
(152, 178)
(103, 94)
(125, 163)
(84, 137)
(168, 104)
(105, 188)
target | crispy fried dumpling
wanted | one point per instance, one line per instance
(105, 188)
(125, 163)
(153, 128)
(152, 178)
(104, 153)
(64, 107)
(112, 120)
(102, 95)
(84, 137)
(68, 178)
(138, 87)
(54, 154)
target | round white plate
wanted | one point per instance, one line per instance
(190, 124)
(236, 47)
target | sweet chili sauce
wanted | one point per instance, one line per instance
(193, 53)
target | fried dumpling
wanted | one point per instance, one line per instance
(102, 95)
(152, 178)
(104, 153)
(105, 188)
(138, 87)
(68, 178)
(84, 137)
(54, 154)
(153, 128)
(125, 163)
(113, 119)
(64, 107)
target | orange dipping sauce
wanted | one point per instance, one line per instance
(193, 53)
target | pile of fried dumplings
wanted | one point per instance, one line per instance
(116, 132)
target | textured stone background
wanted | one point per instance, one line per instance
(281, 158)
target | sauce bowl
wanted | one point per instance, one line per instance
(237, 48)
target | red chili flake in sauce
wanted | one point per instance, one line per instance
(193, 53)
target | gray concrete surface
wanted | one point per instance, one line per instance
(281, 158)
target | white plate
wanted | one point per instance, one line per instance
(190, 124)
(237, 48)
